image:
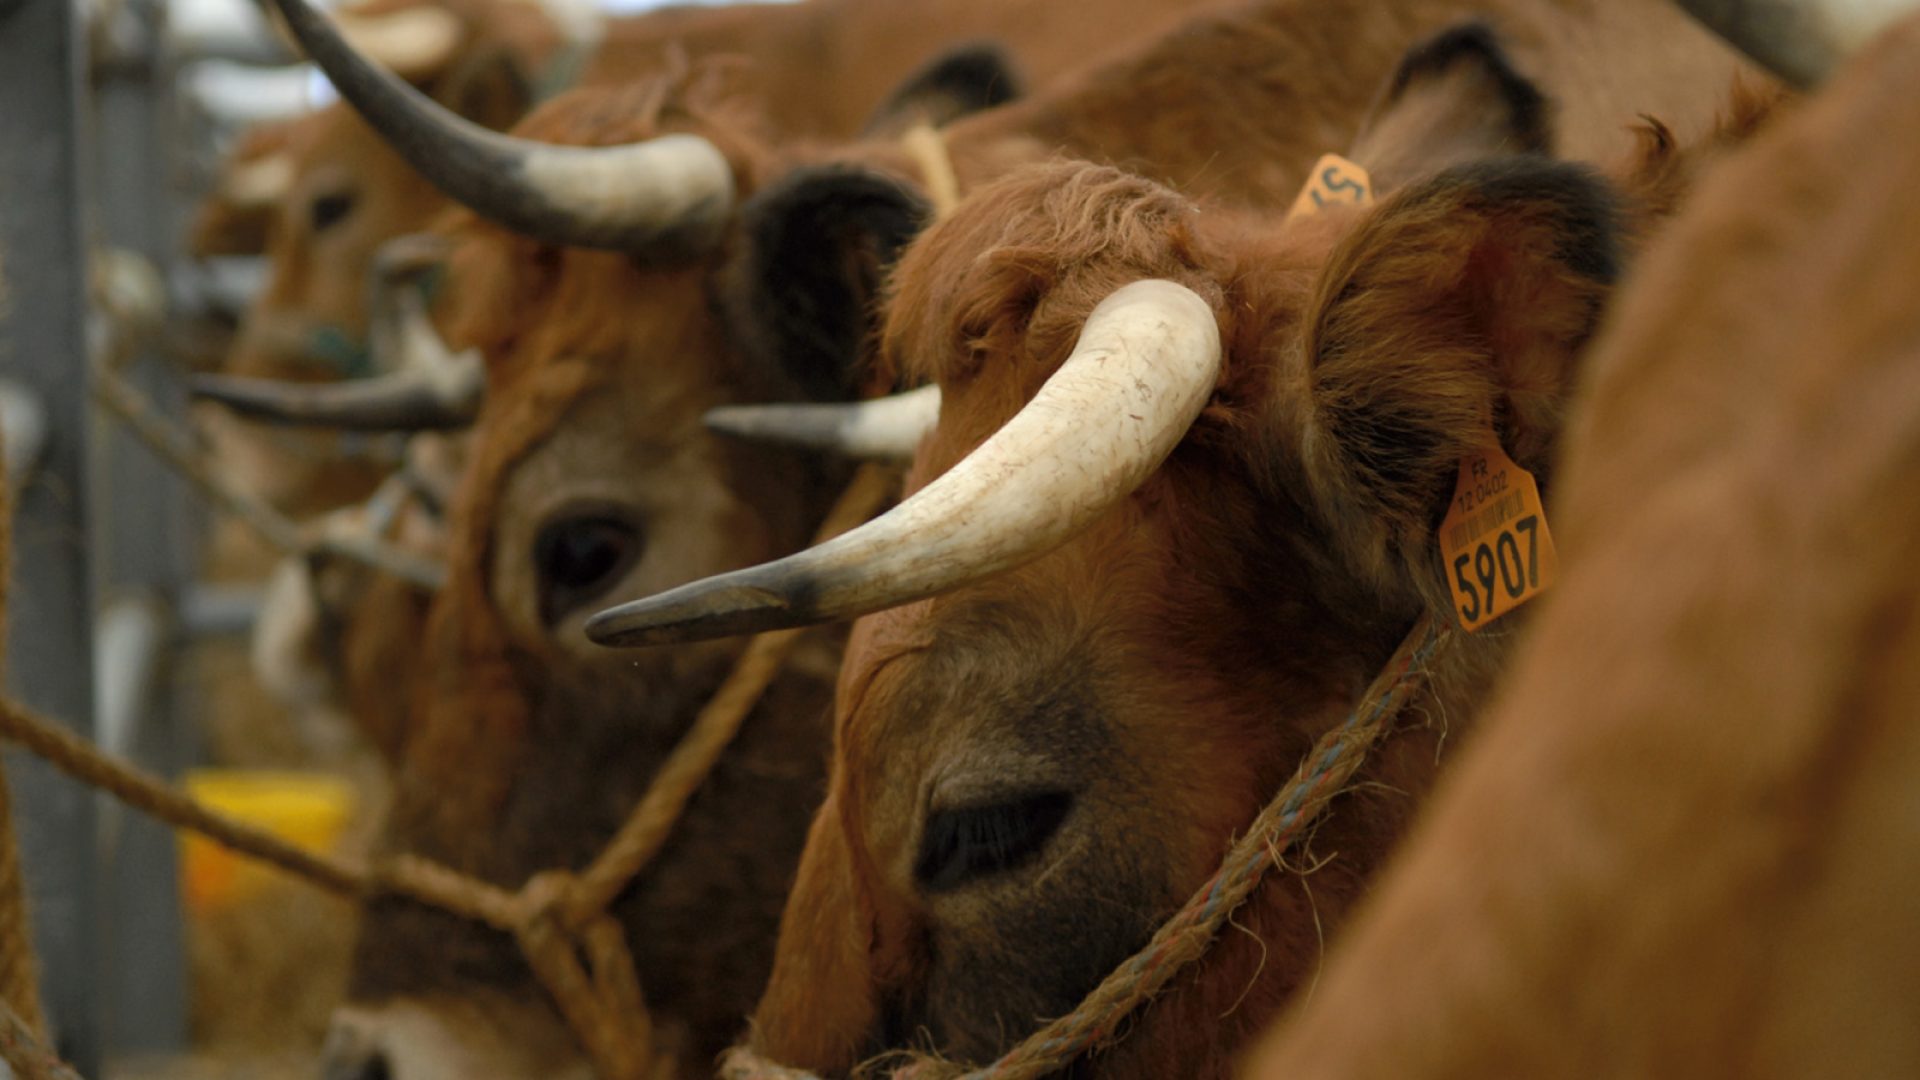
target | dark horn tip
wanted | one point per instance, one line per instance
(701, 611)
(236, 392)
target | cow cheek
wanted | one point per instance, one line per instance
(821, 1002)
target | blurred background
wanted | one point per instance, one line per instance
(134, 604)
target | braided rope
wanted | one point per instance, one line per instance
(1097, 1021)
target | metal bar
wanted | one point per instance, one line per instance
(143, 538)
(43, 347)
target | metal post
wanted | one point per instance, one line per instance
(43, 346)
(143, 547)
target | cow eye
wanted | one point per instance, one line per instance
(328, 210)
(972, 842)
(577, 558)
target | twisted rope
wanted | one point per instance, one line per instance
(177, 449)
(25, 1054)
(1184, 938)
(652, 821)
(19, 974)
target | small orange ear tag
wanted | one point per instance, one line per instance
(1334, 181)
(1494, 540)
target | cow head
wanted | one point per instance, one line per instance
(324, 193)
(1124, 618)
(591, 475)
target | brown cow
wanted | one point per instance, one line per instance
(1683, 842)
(337, 194)
(662, 313)
(526, 746)
(1118, 659)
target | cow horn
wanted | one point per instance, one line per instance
(1798, 40)
(432, 389)
(414, 43)
(886, 429)
(260, 183)
(1145, 365)
(664, 199)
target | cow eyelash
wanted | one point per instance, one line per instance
(962, 845)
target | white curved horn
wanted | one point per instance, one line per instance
(414, 43)
(1145, 365)
(260, 183)
(662, 200)
(885, 429)
(1798, 40)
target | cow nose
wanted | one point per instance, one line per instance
(353, 1052)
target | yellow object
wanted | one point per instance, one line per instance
(1494, 541)
(309, 809)
(1334, 181)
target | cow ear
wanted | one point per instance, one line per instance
(964, 79)
(799, 294)
(1455, 98)
(1455, 309)
(487, 87)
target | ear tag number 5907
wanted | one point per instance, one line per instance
(1494, 540)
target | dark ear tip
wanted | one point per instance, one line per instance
(1475, 41)
(964, 79)
(1582, 207)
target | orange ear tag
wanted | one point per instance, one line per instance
(1334, 181)
(1494, 540)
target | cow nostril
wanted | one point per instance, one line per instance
(352, 1054)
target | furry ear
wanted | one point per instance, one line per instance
(1454, 98)
(964, 79)
(798, 297)
(1459, 305)
(487, 87)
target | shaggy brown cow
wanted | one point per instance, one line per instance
(1125, 657)
(1683, 842)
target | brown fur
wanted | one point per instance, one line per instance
(1201, 634)
(871, 46)
(1682, 844)
(1232, 108)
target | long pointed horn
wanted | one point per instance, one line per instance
(886, 429)
(1798, 40)
(1144, 366)
(430, 387)
(411, 400)
(413, 43)
(664, 199)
